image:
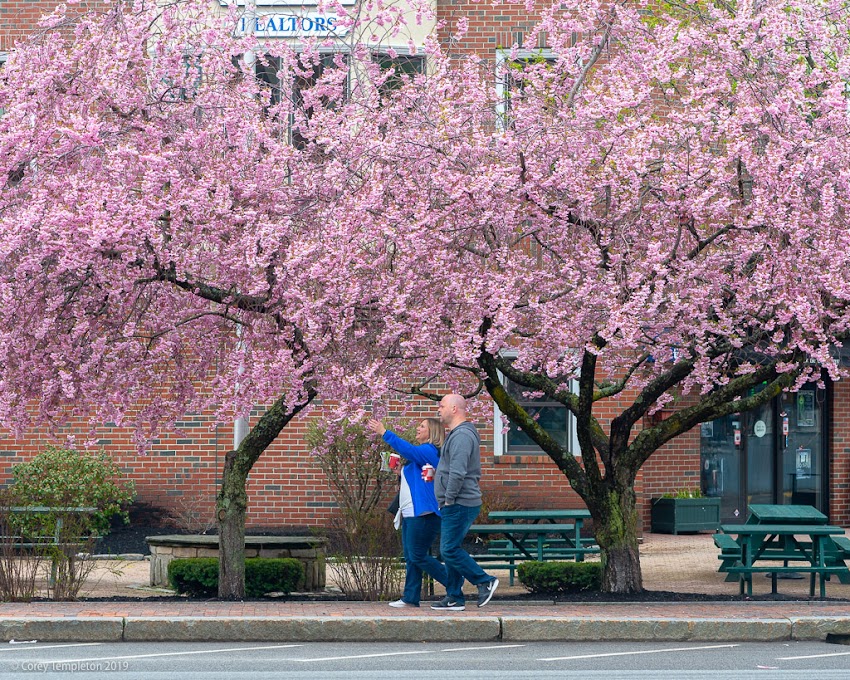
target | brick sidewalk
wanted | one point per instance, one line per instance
(683, 564)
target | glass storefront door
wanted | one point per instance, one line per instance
(801, 442)
(720, 445)
(759, 454)
(772, 454)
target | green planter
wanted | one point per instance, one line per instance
(681, 515)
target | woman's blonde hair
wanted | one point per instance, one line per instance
(436, 431)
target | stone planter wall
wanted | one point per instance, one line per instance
(310, 551)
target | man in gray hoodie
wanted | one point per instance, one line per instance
(459, 498)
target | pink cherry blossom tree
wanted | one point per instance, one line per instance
(160, 220)
(657, 207)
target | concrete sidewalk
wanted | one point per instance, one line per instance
(682, 564)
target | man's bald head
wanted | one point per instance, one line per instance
(452, 410)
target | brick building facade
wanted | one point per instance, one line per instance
(286, 487)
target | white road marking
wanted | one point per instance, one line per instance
(150, 656)
(363, 656)
(383, 654)
(474, 649)
(812, 656)
(644, 651)
(35, 649)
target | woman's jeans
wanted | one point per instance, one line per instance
(417, 535)
(459, 565)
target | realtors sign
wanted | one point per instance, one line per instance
(294, 26)
(280, 3)
(303, 24)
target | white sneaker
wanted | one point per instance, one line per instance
(401, 603)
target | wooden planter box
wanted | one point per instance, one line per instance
(680, 515)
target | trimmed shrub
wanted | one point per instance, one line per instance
(560, 577)
(198, 576)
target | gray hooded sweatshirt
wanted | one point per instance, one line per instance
(459, 469)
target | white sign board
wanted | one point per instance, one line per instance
(281, 3)
(310, 24)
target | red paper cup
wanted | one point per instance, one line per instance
(428, 473)
(395, 459)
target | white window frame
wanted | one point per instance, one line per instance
(503, 56)
(3, 57)
(500, 439)
(281, 3)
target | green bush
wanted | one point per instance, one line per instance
(684, 493)
(198, 576)
(560, 577)
(65, 478)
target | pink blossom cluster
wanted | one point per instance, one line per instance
(662, 185)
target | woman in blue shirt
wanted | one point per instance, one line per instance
(420, 515)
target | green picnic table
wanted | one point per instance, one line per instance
(761, 544)
(538, 535)
(772, 513)
(518, 535)
(578, 515)
(572, 538)
(768, 513)
(55, 539)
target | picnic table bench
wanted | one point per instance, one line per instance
(766, 513)
(577, 515)
(570, 540)
(540, 541)
(772, 513)
(52, 540)
(822, 552)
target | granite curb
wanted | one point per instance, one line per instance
(418, 628)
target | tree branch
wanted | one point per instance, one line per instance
(591, 62)
(516, 414)
(719, 403)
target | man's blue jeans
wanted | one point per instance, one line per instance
(417, 535)
(459, 565)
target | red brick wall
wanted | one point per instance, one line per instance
(839, 454)
(181, 473)
(492, 25)
(19, 18)
(286, 487)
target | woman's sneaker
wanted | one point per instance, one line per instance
(401, 603)
(446, 603)
(485, 592)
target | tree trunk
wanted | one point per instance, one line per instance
(231, 506)
(615, 522)
(232, 500)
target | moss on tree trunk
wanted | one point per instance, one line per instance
(615, 522)
(231, 506)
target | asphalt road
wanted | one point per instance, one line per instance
(426, 661)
